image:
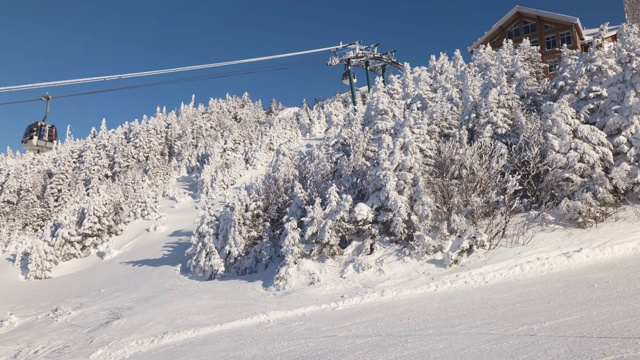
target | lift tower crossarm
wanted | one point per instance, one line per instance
(366, 57)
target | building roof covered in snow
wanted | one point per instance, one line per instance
(512, 15)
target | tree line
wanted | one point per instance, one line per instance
(436, 163)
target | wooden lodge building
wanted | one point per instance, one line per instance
(547, 30)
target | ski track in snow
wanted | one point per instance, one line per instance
(535, 264)
(582, 248)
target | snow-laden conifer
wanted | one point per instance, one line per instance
(619, 116)
(579, 156)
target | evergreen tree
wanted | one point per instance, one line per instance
(579, 155)
(205, 260)
(619, 116)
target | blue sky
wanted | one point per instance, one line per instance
(59, 40)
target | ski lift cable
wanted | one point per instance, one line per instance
(269, 68)
(182, 80)
(159, 72)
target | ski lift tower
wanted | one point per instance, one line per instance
(366, 57)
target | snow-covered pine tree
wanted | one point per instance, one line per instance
(381, 120)
(341, 158)
(620, 112)
(290, 248)
(528, 160)
(335, 228)
(590, 76)
(40, 258)
(499, 106)
(303, 119)
(65, 234)
(444, 105)
(244, 236)
(579, 156)
(528, 81)
(205, 260)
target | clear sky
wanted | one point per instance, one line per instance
(60, 40)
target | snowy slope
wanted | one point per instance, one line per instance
(569, 294)
(421, 165)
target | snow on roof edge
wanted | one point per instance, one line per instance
(590, 33)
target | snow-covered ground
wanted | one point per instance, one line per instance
(569, 294)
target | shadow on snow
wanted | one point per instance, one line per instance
(173, 253)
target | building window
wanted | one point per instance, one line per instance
(534, 42)
(513, 31)
(553, 64)
(565, 38)
(548, 26)
(529, 27)
(550, 42)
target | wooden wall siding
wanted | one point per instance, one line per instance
(559, 24)
(496, 39)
